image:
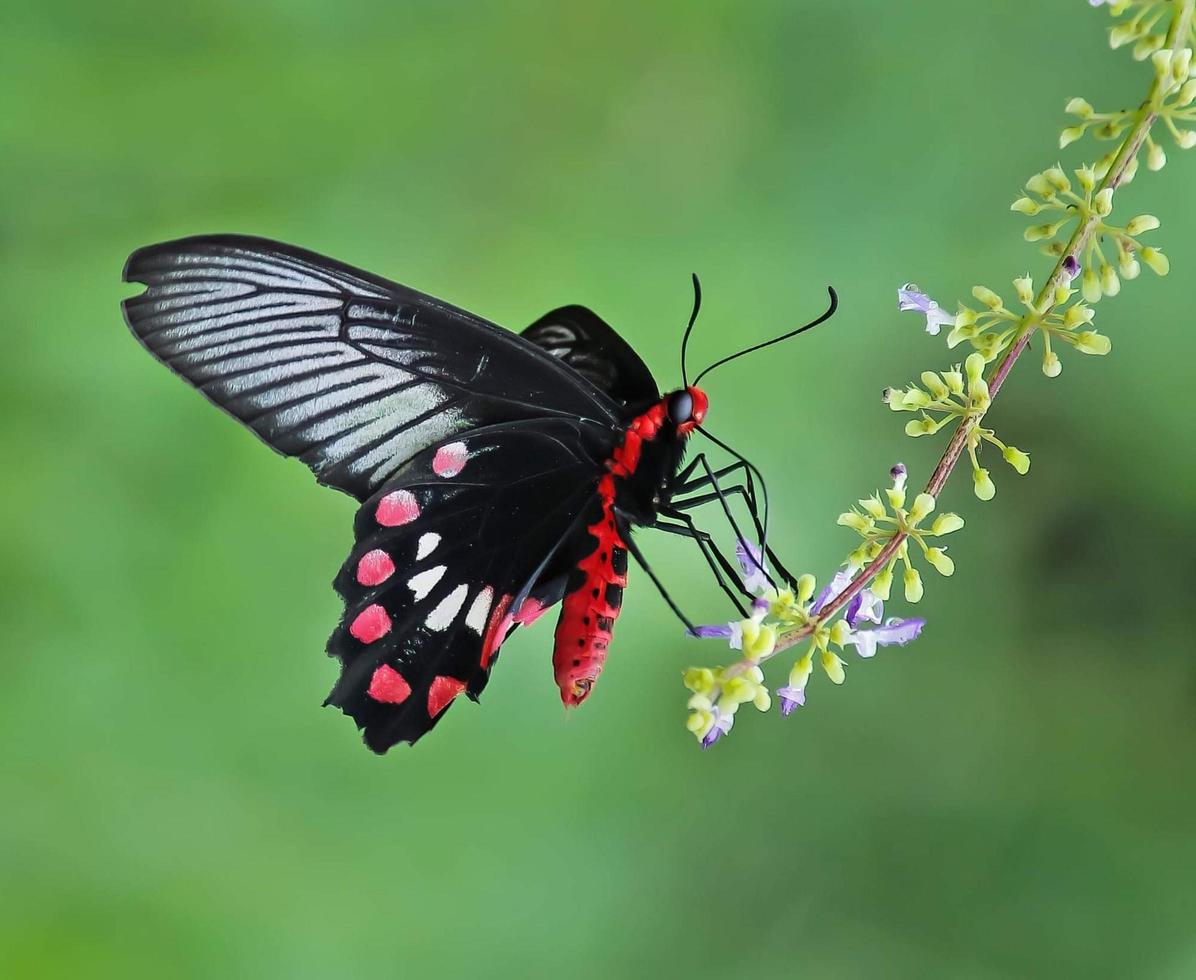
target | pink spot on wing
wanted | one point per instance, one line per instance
(496, 630)
(530, 611)
(375, 567)
(388, 686)
(442, 692)
(450, 460)
(397, 508)
(371, 624)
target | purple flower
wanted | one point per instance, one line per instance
(896, 632)
(910, 297)
(841, 581)
(722, 724)
(751, 561)
(866, 606)
(711, 632)
(790, 698)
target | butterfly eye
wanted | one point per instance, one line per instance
(681, 407)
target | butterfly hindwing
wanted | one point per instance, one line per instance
(347, 371)
(447, 554)
(585, 342)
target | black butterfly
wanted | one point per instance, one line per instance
(497, 474)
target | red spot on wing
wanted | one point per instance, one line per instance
(530, 611)
(375, 567)
(442, 692)
(371, 624)
(388, 686)
(397, 508)
(450, 460)
(496, 629)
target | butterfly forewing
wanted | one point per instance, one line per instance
(347, 371)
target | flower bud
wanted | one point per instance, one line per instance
(1086, 177)
(954, 380)
(934, 384)
(872, 506)
(801, 671)
(896, 496)
(988, 297)
(839, 632)
(1037, 233)
(1038, 184)
(833, 667)
(700, 723)
(763, 700)
(1186, 94)
(1185, 139)
(1057, 179)
(700, 680)
(1159, 263)
(882, 585)
(974, 366)
(1102, 204)
(1122, 34)
(1026, 206)
(1109, 283)
(1091, 342)
(805, 588)
(1090, 286)
(913, 585)
(1024, 286)
(983, 485)
(856, 521)
(1051, 366)
(1156, 159)
(1079, 107)
(1019, 460)
(923, 506)
(946, 524)
(1143, 222)
(920, 427)
(1077, 315)
(965, 317)
(1128, 266)
(1069, 135)
(942, 563)
(1181, 64)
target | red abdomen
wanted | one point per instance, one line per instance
(591, 605)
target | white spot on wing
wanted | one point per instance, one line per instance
(424, 582)
(443, 615)
(475, 619)
(427, 544)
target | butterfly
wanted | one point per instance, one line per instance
(498, 474)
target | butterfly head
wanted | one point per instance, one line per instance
(686, 408)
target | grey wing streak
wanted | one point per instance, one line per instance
(346, 371)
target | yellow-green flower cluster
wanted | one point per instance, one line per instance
(1171, 98)
(877, 520)
(943, 399)
(1051, 192)
(717, 693)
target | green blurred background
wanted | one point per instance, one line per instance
(1012, 796)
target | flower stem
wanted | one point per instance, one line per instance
(1144, 119)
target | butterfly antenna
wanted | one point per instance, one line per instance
(693, 318)
(830, 311)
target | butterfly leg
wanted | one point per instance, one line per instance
(745, 491)
(711, 479)
(722, 568)
(638, 555)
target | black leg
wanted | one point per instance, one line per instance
(625, 534)
(712, 480)
(715, 559)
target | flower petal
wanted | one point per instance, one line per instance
(790, 698)
(751, 562)
(836, 585)
(722, 632)
(898, 632)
